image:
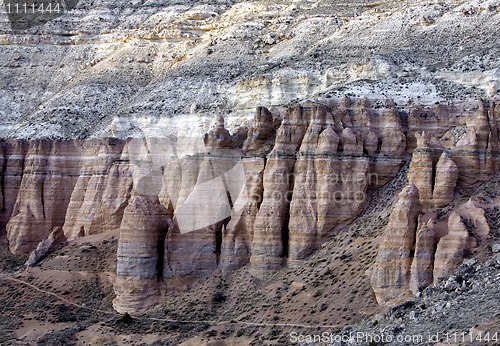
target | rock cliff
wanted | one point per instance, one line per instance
(217, 164)
(140, 254)
(456, 156)
(266, 195)
(391, 272)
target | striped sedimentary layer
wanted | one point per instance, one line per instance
(425, 239)
(140, 255)
(267, 195)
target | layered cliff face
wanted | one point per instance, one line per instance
(448, 230)
(390, 277)
(49, 175)
(267, 195)
(170, 155)
(101, 191)
(75, 185)
(429, 251)
(140, 254)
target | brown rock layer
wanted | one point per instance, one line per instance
(50, 172)
(423, 263)
(13, 154)
(140, 254)
(421, 173)
(268, 195)
(451, 248)
(391, 271)
(445, 181)
(101, 191)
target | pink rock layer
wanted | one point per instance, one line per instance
(266, 196)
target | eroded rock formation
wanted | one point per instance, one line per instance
(50, 172)
(267, 195)
(140, 254)
(413, 257)
(423, 262)
(391, 271)
(451, 248)
(101, 192)
(454, 155)
(445, 181)
(55, 237)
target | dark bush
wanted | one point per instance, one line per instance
(218, 298)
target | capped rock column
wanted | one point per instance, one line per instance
(423, 262)
(445, 181)
(420, 173)
(195, 240)
(237, 238)
(393, 138)
(391, 273)
(270, 241)
(140, 259)
(465, 156)
(303, 207)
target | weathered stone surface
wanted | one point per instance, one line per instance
(100, 185)
(349, 140)
(304, 212)
(393, 138)
(55, 237)
(328, 142)
(260, 137)
(237, 238)
(451, 248)
(466, 158)
(194, 243)
(495, 248)
(270, 241)
(329, 192)
(421, 170)
(50, 173)
(434, 119)
(234, 201)
(422, 266)
(371, 143)
(140, 254)
(474, 214)
(12, 167)
(391, 272)
(204, 208)
(446, 177)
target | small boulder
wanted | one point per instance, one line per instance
(55, 237)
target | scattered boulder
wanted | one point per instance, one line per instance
(495, 248)
(55, 237)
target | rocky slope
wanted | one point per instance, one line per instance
(309, 175)
(167, 66)
(327, 292)
(303, 152)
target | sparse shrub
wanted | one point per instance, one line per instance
(218, 298)
(126, 319)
